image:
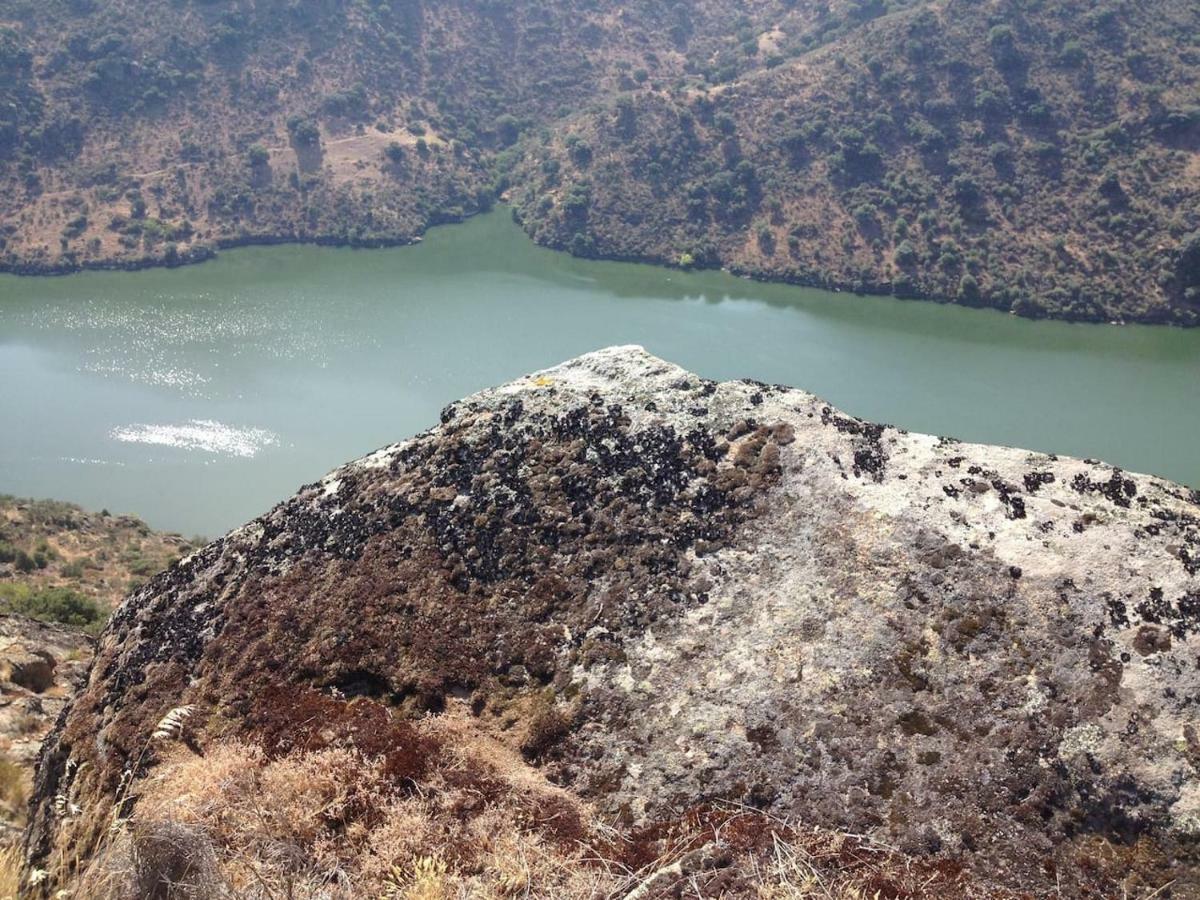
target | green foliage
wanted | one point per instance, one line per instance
(394, 152)
(258, 156)
(1188, 268)
(508, 129)
(23, 562)
(304, 131)
(51, 604)
(350, 103)
(968, 289)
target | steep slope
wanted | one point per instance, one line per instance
(1042, 158)
(154, 131)
(62, 571)
(42, 665)
(671, 594)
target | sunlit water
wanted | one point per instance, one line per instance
(200, 396)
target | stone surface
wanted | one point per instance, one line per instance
(671, 592)
(32, 669)
(41, 666)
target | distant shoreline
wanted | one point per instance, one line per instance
(207, 252)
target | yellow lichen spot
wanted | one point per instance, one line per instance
(543, 381)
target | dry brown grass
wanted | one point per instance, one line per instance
(332, 823)
(10, 872)
(480, 822)
(14, 784)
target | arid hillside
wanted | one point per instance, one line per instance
(1042, 158)
(614, 630)
(157, 130)
(62, 572)
(62, 563)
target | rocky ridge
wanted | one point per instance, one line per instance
(669, 593)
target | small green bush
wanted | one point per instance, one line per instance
(51, 604)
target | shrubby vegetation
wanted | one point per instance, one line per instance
(1033, 158)
(62, 564)
(1038, 158)
(52, 604)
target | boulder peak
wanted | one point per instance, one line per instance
(667, 591)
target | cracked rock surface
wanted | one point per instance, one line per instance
(675, 592)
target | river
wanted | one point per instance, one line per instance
(198, 397)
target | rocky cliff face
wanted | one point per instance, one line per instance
(669, 593)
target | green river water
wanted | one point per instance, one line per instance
(198, 397)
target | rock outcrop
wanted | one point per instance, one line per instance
(41, 667)
(669, 592)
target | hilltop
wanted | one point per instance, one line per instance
(614, 629)
(1040, 158)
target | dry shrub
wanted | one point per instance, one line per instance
(13, 789)
(155, 859)
(319, 817)
(334, 823)
(10, 871)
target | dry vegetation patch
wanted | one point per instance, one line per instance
(48, 544)
(447, 811)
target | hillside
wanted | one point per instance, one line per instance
(62, 563)
(1042, 158)
(62, 571)
(157, 130)
(614, 630)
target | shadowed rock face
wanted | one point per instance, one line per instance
(694, 591)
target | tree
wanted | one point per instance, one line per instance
(1188, 268)
(579, 150)
(304, 131)
(626, 119)
(765, 238)
(508, 129)
(1072, 55)
(1003, 43)
(258, 156)
(968, 289)
(967, 191)
(582, 245)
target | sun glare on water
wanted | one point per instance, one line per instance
(200, 434)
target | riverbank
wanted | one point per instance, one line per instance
(1174, 316)
(201, 253)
